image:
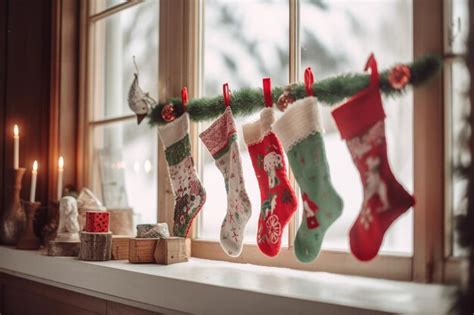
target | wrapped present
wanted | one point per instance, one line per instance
(97, 222)
(87, 200)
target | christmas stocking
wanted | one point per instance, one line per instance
(277, 196)
(188, 191)
(221, 141)
(361, 123)
(300, 132)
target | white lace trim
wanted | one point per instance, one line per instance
(255, 132)
(300, 120)
(174, 131)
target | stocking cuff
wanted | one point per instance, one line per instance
(299, 121)
(175, 130)
(254, 132)
(218, 136)
(359, 113)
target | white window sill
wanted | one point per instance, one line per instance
(213, 287)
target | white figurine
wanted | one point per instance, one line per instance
(68, 229)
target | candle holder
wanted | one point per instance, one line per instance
(13, 219)
(50, 230)
(28, 239)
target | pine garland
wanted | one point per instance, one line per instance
(330, 91)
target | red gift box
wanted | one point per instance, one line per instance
(97, 221)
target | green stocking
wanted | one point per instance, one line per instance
(301, 134)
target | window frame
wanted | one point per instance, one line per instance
(92, 12)
(180, 60)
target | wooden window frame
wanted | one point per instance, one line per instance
(91, 32)
(180, 59)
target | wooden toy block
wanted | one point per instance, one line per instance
(96, 246)
(70, 249)
(172, 250)
(120, 247)
(142, 250)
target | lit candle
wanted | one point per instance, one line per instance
(16, 147)
(60, 177)
(34, 172)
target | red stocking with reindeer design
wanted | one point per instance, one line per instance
(361, 123)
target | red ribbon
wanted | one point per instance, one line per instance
(308, 81)
(267, 92)
(226, 92)
(184, 97)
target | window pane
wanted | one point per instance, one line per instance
(244, 41)
(457, 80)
(132, 32)
(458, 27)
(337, 37)
(123, 172)
(460, 81)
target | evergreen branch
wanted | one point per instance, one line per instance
(329, 92)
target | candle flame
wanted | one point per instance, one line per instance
(15, 131)
(61, 163)
(35, 166)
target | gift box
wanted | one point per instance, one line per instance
(97, 222)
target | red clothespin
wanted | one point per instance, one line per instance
(308, 81)
(374, 73)
(226, 92)
(184, 97)
(267, 92)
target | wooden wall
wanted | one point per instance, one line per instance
(33, 43)
(24, 297)
(3, 72)
(26, 63)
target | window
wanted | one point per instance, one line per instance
(337, 37)
(246, 41)
(122, 156)
(203, 44)
(234, 52)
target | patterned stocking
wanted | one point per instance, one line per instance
(221, 141)
(188, 191)
(277, 196)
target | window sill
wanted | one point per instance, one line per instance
(205, 286)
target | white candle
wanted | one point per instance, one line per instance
(60, 177)
(16, 147)
(34, 173)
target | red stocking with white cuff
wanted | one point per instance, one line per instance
(361, 123)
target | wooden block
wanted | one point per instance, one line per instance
(70, 249)
(172, 250)
(142, 250)
(95, 246)
(120, 247)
